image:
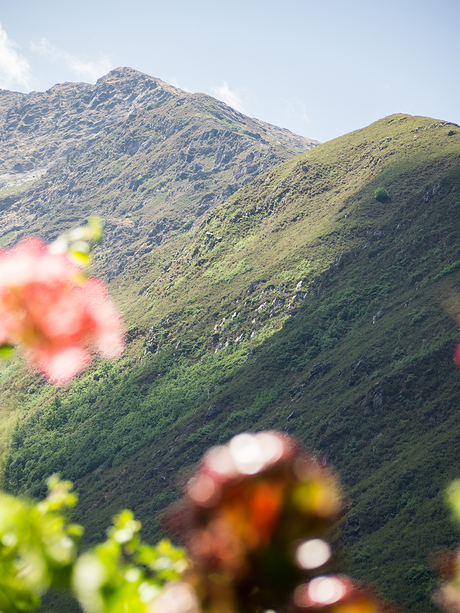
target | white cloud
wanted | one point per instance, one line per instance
(91, 70)
(86, 70)
(295, 109)
(175, 83)
(14, 67)
(232, 98)
(44, 47)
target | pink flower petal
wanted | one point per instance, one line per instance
(45, 306)
(61, 366)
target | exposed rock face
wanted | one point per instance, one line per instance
(361, 368)
(319, 370)
(147, 157)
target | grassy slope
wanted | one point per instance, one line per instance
(130, 432)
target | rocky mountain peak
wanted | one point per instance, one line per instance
(147, 157)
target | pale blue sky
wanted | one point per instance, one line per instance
(320, 69)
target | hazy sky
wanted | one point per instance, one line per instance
(320, 69)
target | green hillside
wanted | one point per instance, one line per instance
(304, 304)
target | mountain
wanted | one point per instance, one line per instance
(147, 157)
(319, 299)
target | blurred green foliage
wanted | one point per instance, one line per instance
(80, 242)
(37, 546)
(39, 551)
(124, 574)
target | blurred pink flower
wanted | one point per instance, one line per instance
(58, 316)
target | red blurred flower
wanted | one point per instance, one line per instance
(47, 305)
(252, 505)
(255, 517)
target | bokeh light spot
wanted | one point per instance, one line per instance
(176, 598)
(202, 490)
(271, 447)
(247, 454)
(220, 461)
(326, 590)
(313, 553)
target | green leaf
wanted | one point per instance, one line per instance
(79, 243)
(453, 498)
(83, 259)
(6, 351)
(95, 224)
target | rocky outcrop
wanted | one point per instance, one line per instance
(361, 368)
(148, 158)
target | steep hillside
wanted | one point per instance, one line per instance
(149, 158)
(305, 304)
